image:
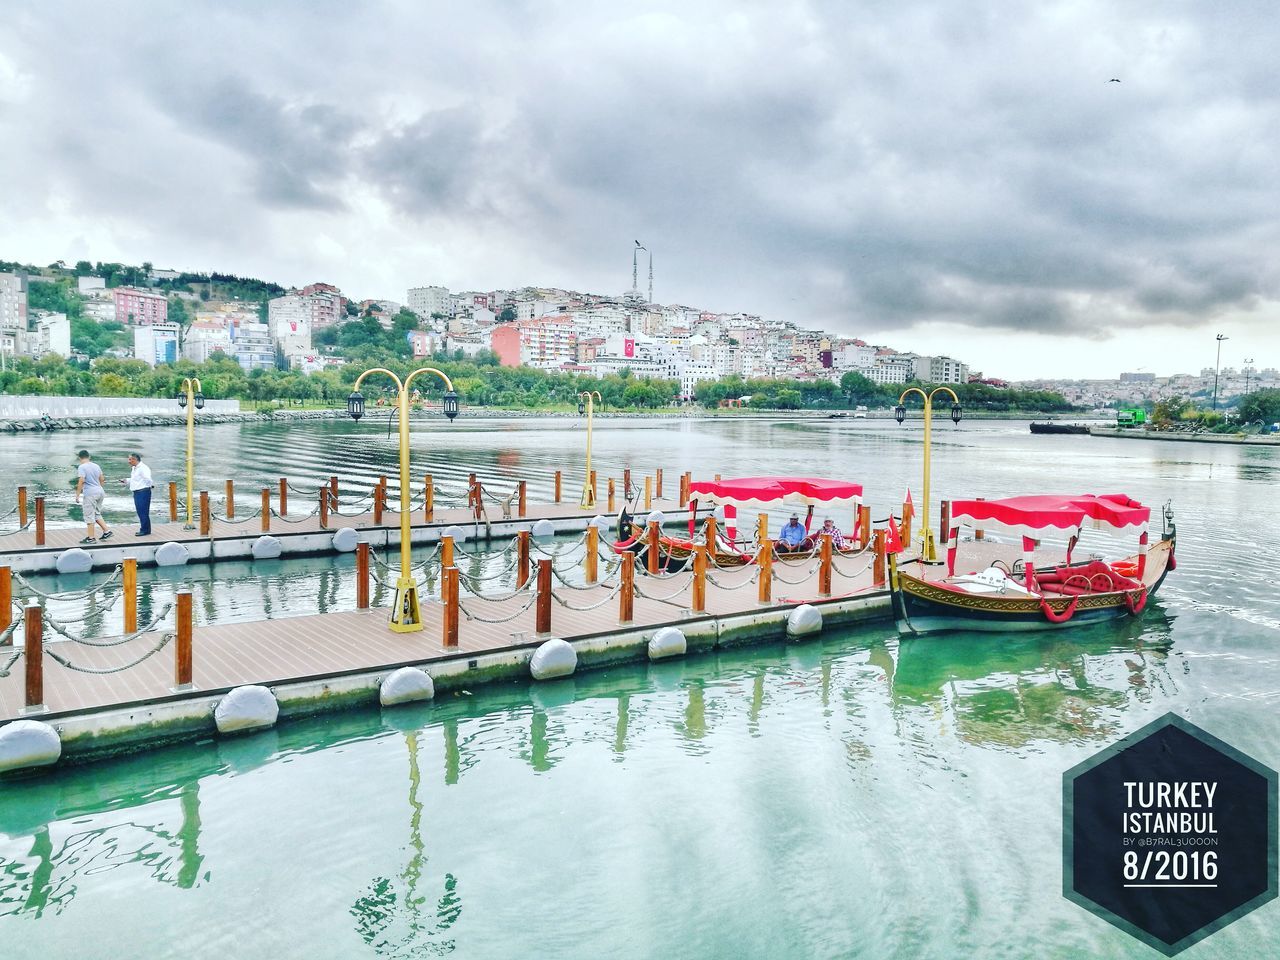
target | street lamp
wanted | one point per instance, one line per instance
(190, 398)
(1248, 364)
(586, 404)
(405, 616)
(1216, 367)
(928, 552)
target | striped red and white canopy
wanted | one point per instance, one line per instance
(1046, 511)
(751, 493)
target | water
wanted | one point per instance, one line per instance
(857, 796)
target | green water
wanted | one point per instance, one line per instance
(851, 797)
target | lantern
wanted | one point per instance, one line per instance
(956, 413)
(182, 399)
(355, 405)
(199, 401)
(900, 413)
(450, 404)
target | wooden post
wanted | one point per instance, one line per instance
(648, 492)
(544, 596)
(231, 499)
(471, 495)
(333, 490)
(39, 521)
(657, 484)
(908, 512)
(686, 489)
(652, 549)
(204, 513)
(699, 602)
(477, 493)
(979, 533)
(446, 552)
(22, 506)
(428, 498)
(764, 560)
(611, 496)
(522, 558)
(284, 495)
(945, 529)
(762, 529)
(627, 592)
(864, 526)
(362, 575)
(626, 483)
(182, 654)
(591, 561)
(130, 589)
(522, 499)
(449, 588)
(379, 503)
(594, 489)
(33, 625)
(266, 510)
(324, 508)
(557, 486)
(6, 602)
(711, 535)
(824, 565)
(173, 501)
(877, 568)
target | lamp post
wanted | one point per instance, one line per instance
(1216, 367)
(586, 404)
(405, 616)
(928, 551)
(1248, 369)
(191, 399)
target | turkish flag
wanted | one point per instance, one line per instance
(893, 541)
(628, 347)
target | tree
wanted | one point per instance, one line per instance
(508, 315)
(1263, 405)
(858, 388)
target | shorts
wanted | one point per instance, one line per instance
(92, 504)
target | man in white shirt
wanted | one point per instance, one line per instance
(140, 483)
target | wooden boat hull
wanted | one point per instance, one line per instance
(921, 606)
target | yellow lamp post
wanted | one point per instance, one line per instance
(190, 399)
(405, 616)
(928, 551)
(586, 405)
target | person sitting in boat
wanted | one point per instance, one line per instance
(837, 538)
(793, 536)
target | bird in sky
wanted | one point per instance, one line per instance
(1113, 80)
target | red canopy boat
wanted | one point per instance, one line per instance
(1022, 597)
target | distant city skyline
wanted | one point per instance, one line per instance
(974, 187)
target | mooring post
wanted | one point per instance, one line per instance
(905, 533)
(652, 547)
(824, 565)
(22, 506)
(762, 528)
(362, 575)
(657, 484)
(449, 587)
(877, 567)
(379, 503)
(265, 497)
(446, 552)
(522, 558)
(594, 489)
(39, 521)
(611, 496)
(627, 591)
(979, 533)
(686, 482)
(591, 560)
(557, 486)
(522, 499)
(864, 526)
(284, 495)
(428, 498)
(33, 627)
(204, 513)
(333, 490)
(764, 560)
(711, 535)
(6, 603)
(471, 494)
(324, 508)
(544, 596)
(231, 499)
(182, 654)
(626, 483)
(699, 602)
(130, 589)
(173, 501)
(648, 492)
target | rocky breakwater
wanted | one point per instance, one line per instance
(166, 420)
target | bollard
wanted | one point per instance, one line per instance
(979, 533)
(699, 602)
(39, 521)
(428, 498)
(712, 536)
(591, 561)
(864, 526)
(130, 590)
(33, 625)
(265, 525)
(627, 592)
(557, 486)
(6, 603)
(824, 565)
(522, 502)
(764, 559)
(522, 558)
(173, 501)
(446, 552)
(657, 484)
(22, 506)
(449, 591)
(652, 549)
(324, 508)
(544, 597)
(182, 653)
(611, 496)
(648, 492)
(877, 568)
(284, 496)
(379, 503)
(204, 513)
(231, 499)
(362, 576)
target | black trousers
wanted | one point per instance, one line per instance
(142, 503)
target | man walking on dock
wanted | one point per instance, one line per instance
(89, 487)
(140, 483)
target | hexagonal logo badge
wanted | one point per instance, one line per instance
(1169, 834)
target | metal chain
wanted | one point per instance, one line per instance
(474, 616)
(70, 595)
(302, 519)
(245, 519)
(106, 670)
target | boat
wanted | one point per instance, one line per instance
(752, 494)
(860, 412)
(1021, 596)
(1052, 426)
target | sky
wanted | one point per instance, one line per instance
(955, 177)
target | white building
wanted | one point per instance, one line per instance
(254, 348)
(13, 302)
(289, 320)
(894, 369)
(425, 301)
(155, 343)
(99, 309)
(205, 338)
(87, 284)
(51, 333)
(940, 370)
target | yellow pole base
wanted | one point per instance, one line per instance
(588, 496)
(928, 550)
(405, 616)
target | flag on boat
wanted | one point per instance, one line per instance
(893, 540)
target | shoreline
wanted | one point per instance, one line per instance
(1255, 440)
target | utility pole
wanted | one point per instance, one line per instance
(1248, 361)
(650, 252)
(1217, 367)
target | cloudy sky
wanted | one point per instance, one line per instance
(953, 177)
